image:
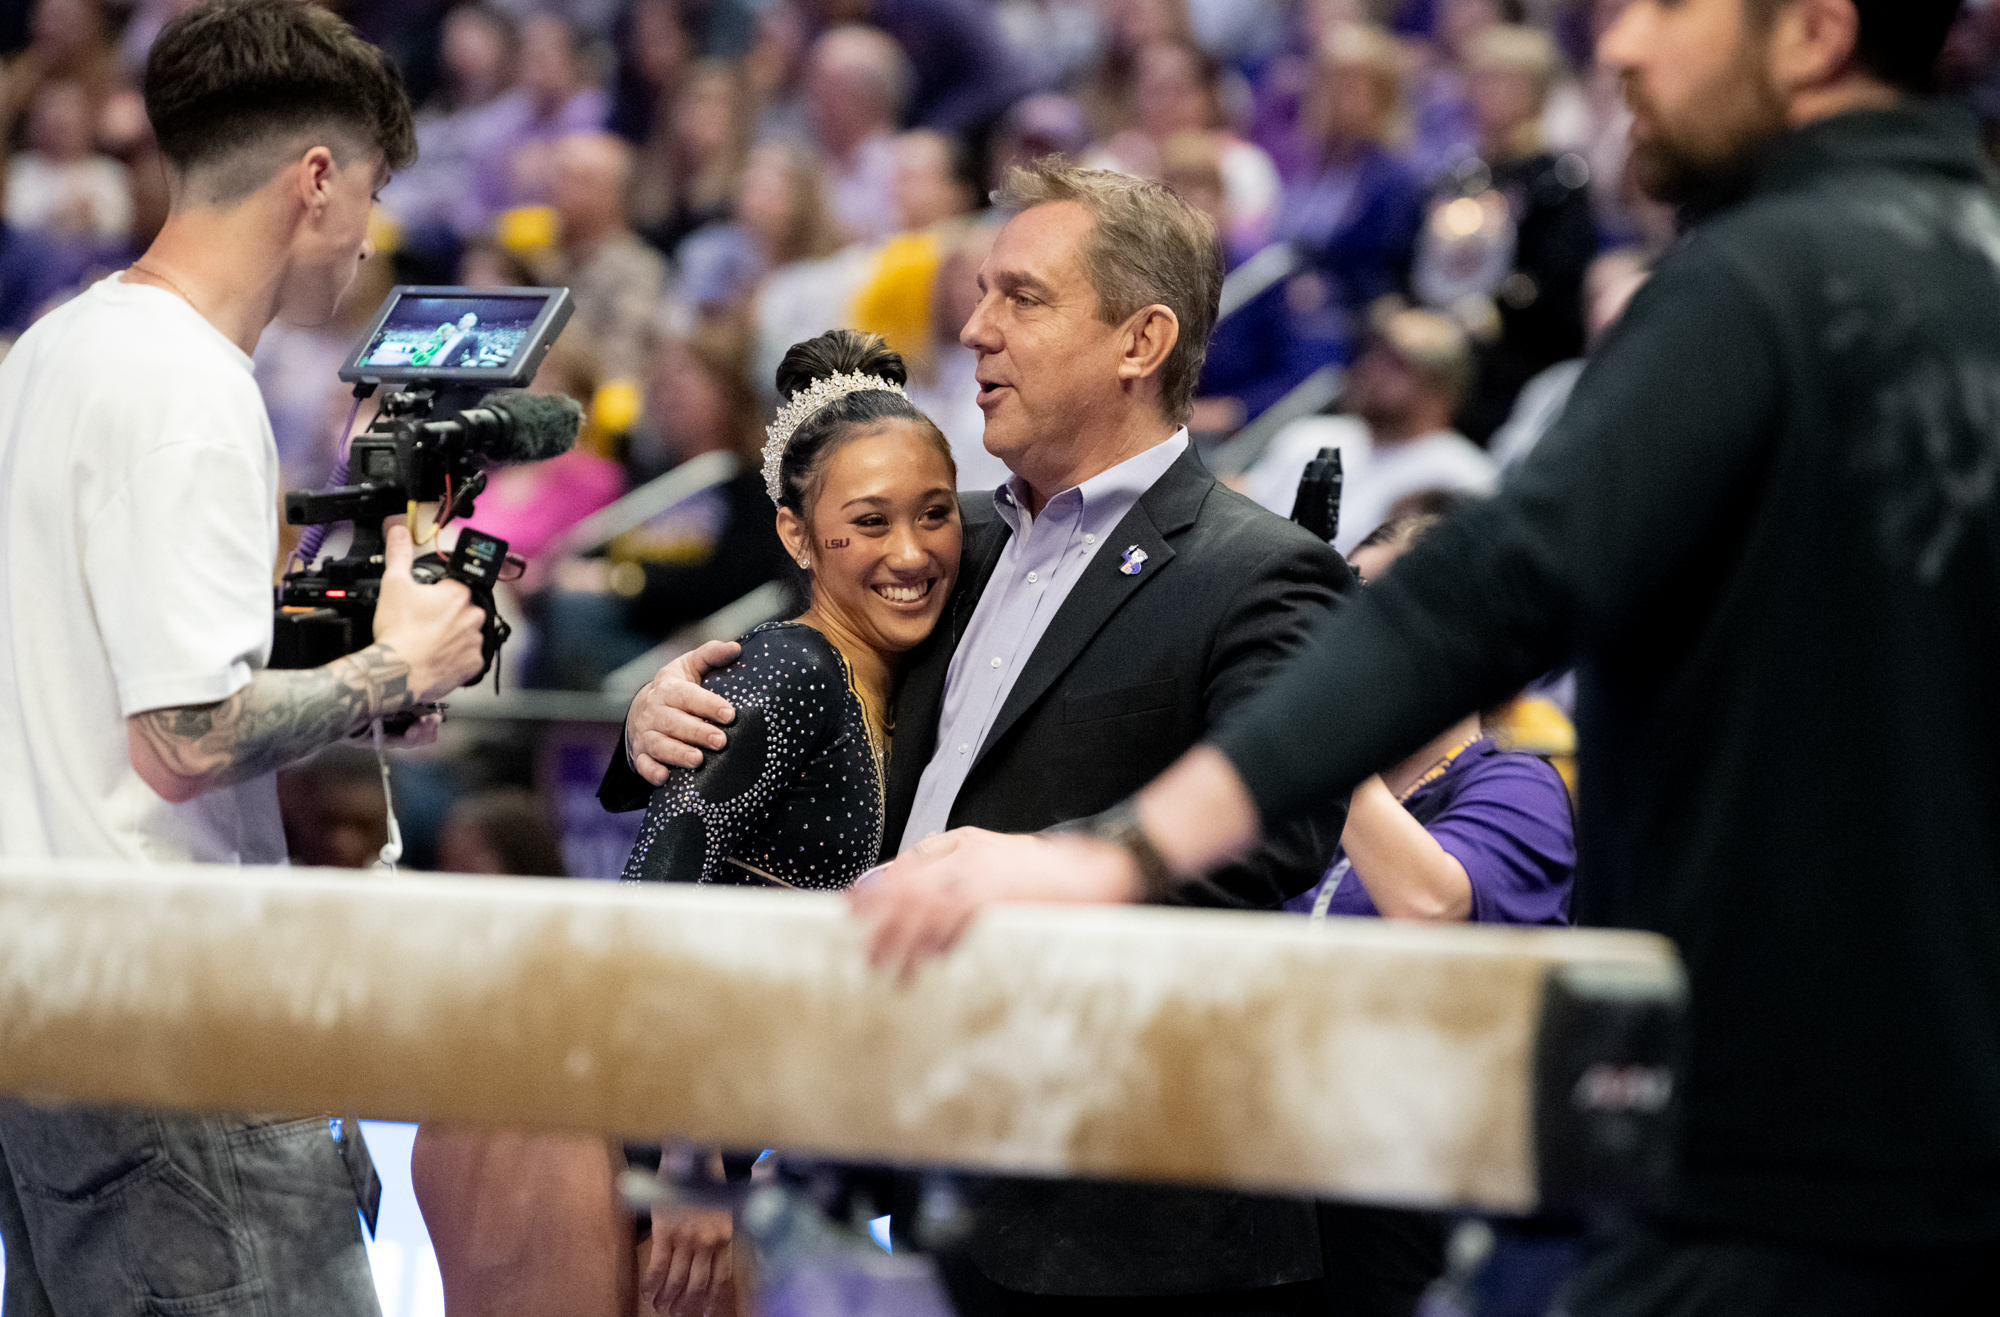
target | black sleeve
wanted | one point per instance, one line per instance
(698, 818)
(1277, 607)
(622, 789)
(684, 837)
(1666, 436)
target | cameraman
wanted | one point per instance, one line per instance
(138, 531)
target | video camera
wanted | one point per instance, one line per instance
(444, 351)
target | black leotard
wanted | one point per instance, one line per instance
(796, 794)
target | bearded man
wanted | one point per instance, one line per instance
(1767, 530)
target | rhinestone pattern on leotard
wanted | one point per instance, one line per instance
(810, 813)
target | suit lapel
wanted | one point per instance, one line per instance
(1166, 509)
(920, 699)
(983, 542)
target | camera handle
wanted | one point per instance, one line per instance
(476, 560)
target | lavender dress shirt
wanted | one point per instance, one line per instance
(1039, 564)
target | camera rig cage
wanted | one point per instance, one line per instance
(443, 351)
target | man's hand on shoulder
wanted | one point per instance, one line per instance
(673, 717)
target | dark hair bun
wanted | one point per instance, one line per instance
(838, 352)
(828, 426)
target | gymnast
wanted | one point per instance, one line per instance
(867, 505)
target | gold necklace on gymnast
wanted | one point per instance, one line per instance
(878, 747)
(142, 268)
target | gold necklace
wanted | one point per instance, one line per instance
(1436, 771)
(142, 268)
(877, 750)
(878, 746)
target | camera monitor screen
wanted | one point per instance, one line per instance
(492, 336)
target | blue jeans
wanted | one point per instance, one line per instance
(127, 1210)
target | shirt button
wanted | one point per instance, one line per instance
(1090, 539)
(996, 662)
(1032, 578)
(963, 748)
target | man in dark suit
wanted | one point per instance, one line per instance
(1114, 604)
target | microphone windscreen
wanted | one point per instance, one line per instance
(544, 425)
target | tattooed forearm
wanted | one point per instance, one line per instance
(278, 718)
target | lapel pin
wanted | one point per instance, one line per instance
(1135, 557)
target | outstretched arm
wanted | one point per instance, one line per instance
(1196, 815)
(1616, 508)
(278, 718)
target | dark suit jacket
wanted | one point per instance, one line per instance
(1133, 671)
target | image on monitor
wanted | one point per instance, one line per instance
(445, 333)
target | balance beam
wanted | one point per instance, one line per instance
(1445, 1066)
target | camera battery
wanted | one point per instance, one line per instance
(478, 558)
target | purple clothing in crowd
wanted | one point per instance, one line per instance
(1506, 818)
(1040, 564)
(512, 122)
(966, 73)
(1355, 226)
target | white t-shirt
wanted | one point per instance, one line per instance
(138, 529)
(1374, 478)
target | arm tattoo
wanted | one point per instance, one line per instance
(281, 716)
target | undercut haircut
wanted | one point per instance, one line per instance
(233, 85)
(1146, 247)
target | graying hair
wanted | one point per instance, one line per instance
(1146, 247)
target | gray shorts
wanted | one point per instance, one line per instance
(123, 1210)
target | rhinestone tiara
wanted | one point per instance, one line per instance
(826, 389)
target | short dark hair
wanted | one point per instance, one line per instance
(232, 75)
(1897, 40)
(1900, 40)
(1400, 531)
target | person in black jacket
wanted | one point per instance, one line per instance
(1114, 605)
(1768, 530)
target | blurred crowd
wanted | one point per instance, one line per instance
(1427, 194)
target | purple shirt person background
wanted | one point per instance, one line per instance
(1505, 817)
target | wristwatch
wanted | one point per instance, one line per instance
(1120, 826)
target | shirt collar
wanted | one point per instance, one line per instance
(1105, 498)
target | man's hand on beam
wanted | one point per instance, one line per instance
(921, 904)
(1197, 814)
